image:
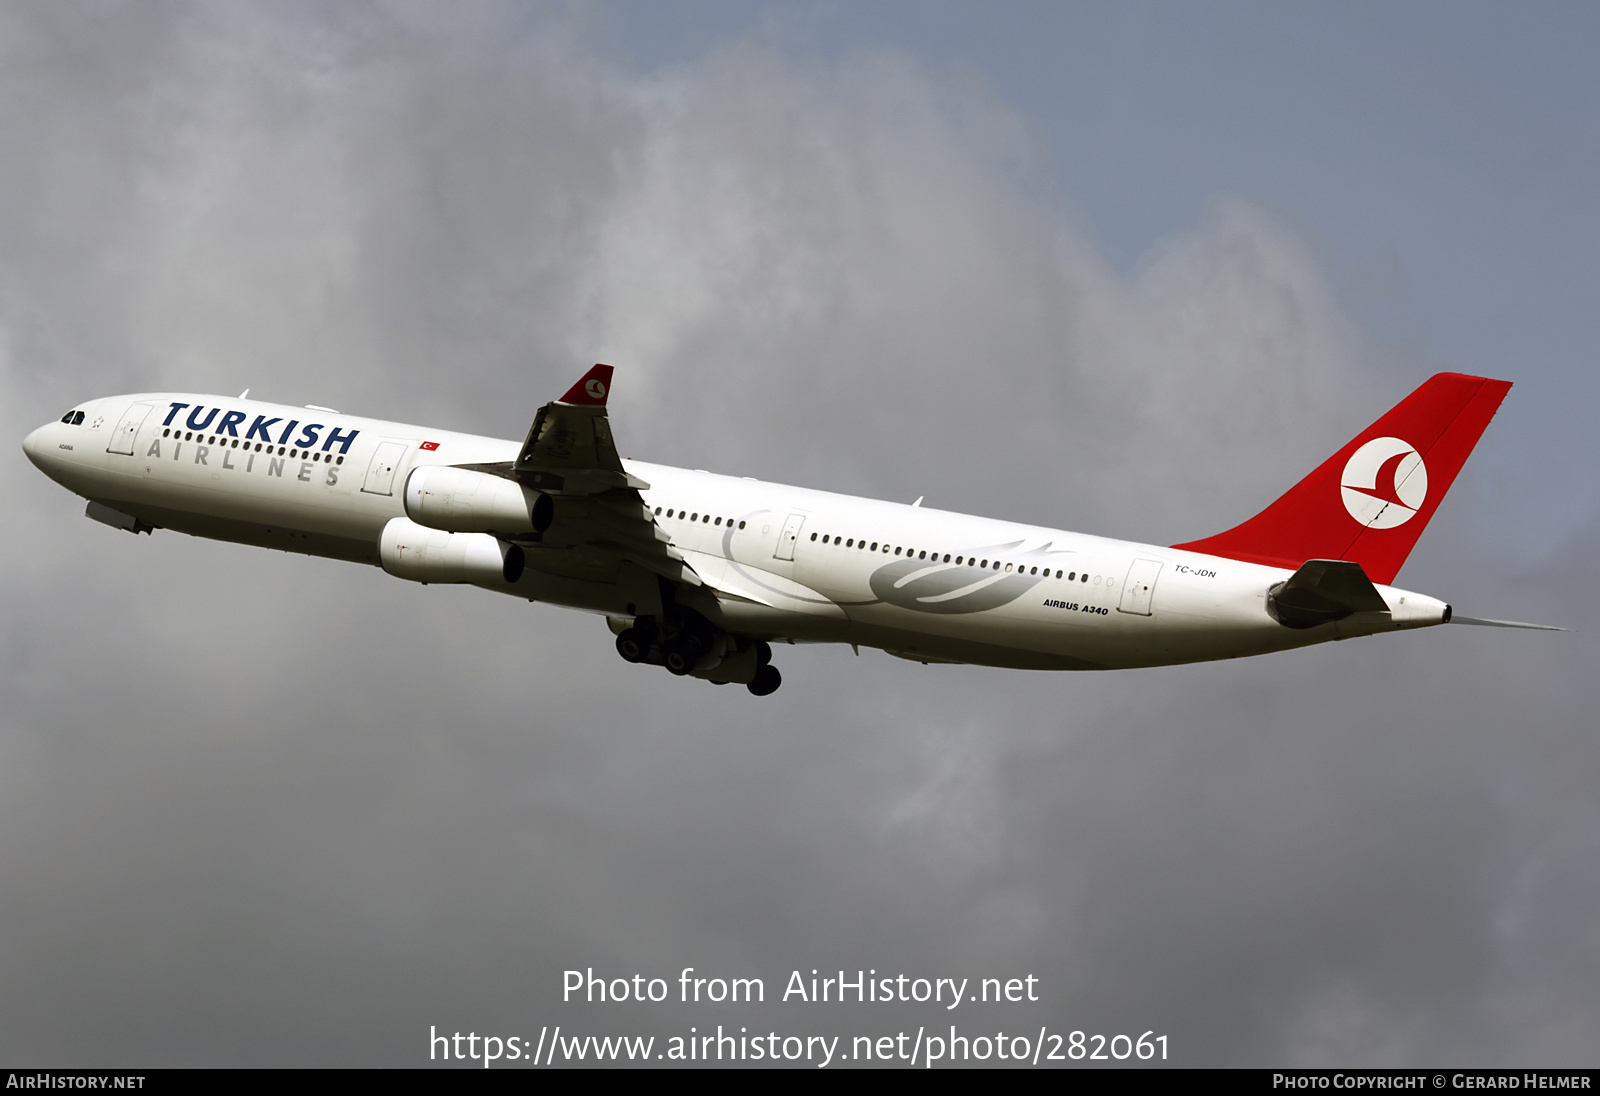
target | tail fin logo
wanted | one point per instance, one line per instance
(1384, 483)
(596, 389)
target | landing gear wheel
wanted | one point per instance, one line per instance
(678, 660)
(631, 646)
(763, 652)
(766, 682)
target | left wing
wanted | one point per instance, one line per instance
(597, 516)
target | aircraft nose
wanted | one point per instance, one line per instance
(34, 446)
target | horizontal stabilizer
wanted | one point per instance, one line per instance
(1486, 623)
(1323, 591)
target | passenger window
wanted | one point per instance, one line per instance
(719, 522)
(658, 511)
(741, 525)
(1008, 568)
(1085, 577)
(813, 536)
(874, 546)
(706, 519)
(922, 555)
(851, 543)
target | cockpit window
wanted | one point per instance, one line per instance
(67, 418)
(77, 419)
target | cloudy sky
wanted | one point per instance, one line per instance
(1124, 268)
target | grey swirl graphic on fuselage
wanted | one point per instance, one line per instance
(927, 587)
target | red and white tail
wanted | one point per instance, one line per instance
(1371, 500)
(591, 389)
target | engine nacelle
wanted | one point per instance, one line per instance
(415, 552)
(459, 500)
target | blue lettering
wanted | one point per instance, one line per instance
(229, 421)
(258, 429)
(337, 437)
(308, 435)
(173, 413)
(204, 422)
(283, 439)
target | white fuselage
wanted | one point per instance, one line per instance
(785, 563)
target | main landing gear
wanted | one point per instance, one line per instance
(688, 644)
(766, 681)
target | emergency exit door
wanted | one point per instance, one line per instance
(1140, 587)
(128, 429)
(789, 537)
(380, 473)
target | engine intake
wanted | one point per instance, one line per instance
(459, 500)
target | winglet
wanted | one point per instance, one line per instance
(592, 389)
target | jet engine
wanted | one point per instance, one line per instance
(459, 500)
(411, 551)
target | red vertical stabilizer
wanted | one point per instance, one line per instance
(1370, 501)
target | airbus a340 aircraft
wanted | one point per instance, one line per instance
(702, 573)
